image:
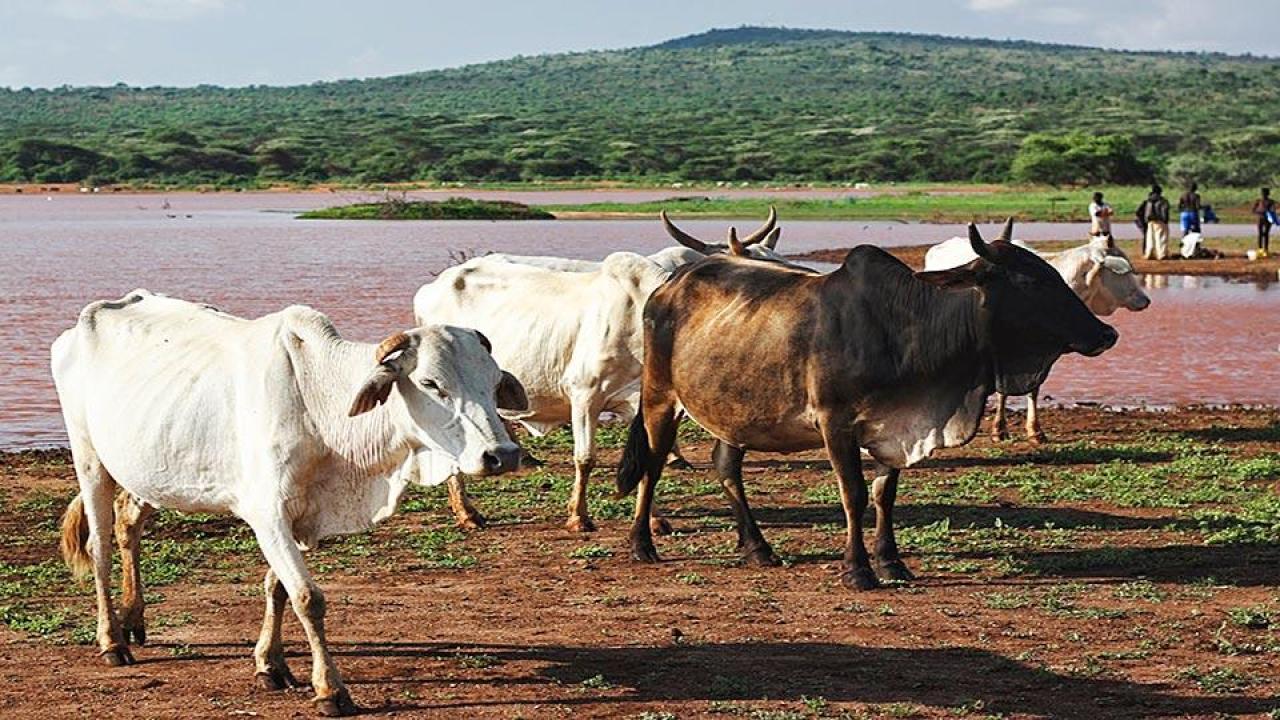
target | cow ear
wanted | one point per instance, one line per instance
(484, 341)
(511, 394)
(375, 390)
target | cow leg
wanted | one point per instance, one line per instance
(660, 427)
(585, 417)
(751, 543)
(846, 460)
(268, 654)
(131, 519)
(285, 559)
(999, 425)
(1034, 434)
(465, 514)
(677, 461)
(97, 490)
(884, 492)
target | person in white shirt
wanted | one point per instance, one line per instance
(1099, 216)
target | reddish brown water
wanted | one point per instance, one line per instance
(1203, 340)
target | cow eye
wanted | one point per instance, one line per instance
(432, 386)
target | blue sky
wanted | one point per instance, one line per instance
(240, 42)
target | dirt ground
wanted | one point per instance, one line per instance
(1127, 569)
(1234, 265)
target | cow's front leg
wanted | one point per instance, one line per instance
(751, 543)
(999, 424)
(464, 513)
(846, 460)
(131, 518)
(585, 416)
(1035, 435)
(268, 655)
(884, 493)
(281, 550)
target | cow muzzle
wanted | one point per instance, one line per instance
(502, 459)
(1105, 342)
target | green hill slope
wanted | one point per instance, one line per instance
(744, 104)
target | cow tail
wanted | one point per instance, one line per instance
(75, 536)
(635, 457)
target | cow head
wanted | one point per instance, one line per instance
(759, 245)
(452, 389)
(1110, 282)
(1034, 317)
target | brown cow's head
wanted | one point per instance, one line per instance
(1034, 317)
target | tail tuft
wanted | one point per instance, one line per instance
(75, 535)
(635, 458)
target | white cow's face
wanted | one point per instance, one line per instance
(1111, 281)
(451, 388)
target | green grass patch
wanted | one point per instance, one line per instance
(457, 208)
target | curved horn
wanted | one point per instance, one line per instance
(771, 240)
(1006, 234)
(764, 230)
(736, 247)
(980, 247)
(396, 342)
(683, 237)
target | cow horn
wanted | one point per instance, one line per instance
(394, 343)
(683, 237)
(771, 241)
(1006, 233)
(736, 247)
(764, 230)
(980, 247)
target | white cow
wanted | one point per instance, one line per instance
(1098, 271)
(274, 420)
(571, 331)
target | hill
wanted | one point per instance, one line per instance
(742, 104)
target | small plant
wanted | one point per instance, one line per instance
(656, 715)
(1255, 617)
(1221, 681)
(589, 552)
(691, 578)
(478, 662)
(597, 682)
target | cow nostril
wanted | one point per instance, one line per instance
(492, 463)
(501, 460)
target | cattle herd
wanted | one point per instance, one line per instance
(304, 435)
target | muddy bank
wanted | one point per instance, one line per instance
(1126, 570)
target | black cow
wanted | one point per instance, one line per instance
(870, 356)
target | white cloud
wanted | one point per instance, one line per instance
(988, 5)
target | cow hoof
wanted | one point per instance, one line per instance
(277, 678)
(679, 463)
(580, 524)
(659, 526)
(897, 570)
(860, 579)
(118, 656)
(136, 635)
(1000, 436)
(761, 557)
(339, 705)
(1037, 438)
(645, 553)
(472, 521)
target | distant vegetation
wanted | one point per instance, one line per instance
(751, 104)
(451, 209)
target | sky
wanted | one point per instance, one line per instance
(49, 43)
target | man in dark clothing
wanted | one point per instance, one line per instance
(1153, 213)
(1265, 208)
(1189, 210)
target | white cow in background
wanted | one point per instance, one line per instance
(274, 420)
(571, 330)
(1098, 271)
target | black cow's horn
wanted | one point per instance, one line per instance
(736, 247)
(683, 237)
(979, 245)
(1006, 234)
(764, 230)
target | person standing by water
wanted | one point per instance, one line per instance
(1265, 208)
(1189, 210)
(1099, 216)
(1153, 217)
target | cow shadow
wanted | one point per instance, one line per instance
(1227, 434)
(941, 678)
(1241, 564)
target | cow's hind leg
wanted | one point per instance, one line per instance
(268, 655)
(281, 550)
(1000, 424)
(586, 415)
(464, 513)
(751, 543)
(97, 491)
(660, 429)
(131, 519)
(1035, 435)
(884, 492)
(846, 459)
